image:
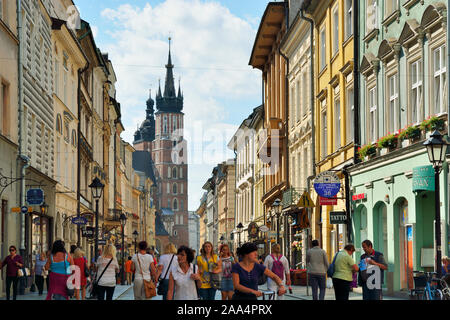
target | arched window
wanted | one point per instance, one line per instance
(181, 173)
(175, 204)
(74, 138)
(174, 188)
(174, 173)
(169, 172)
(181, 205)
(58, 124)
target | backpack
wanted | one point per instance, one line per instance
(331, 267)
(278, 267)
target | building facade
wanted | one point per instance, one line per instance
(226, 199)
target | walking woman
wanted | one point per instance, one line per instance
(208, 263)
(183, 277)
(144, 269)
(278, 264)
(107, 262)
(247, 272)
(227, 261)
(41, 260)
(80, 261)
(344, 267)
(13, 263)
(166, 261)
(59, 264)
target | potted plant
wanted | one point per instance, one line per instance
(412, 133)
(433, 123)
(367, 151)
(389, 142)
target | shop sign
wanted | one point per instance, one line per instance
(272, 234)
(327, 184)
(327, 201)
(88, 232)
(361, 196)
(338, 217)
(35, 197)
(423, 178)
(263, 229)
(253, 230)
(101, 242)
(79, 221)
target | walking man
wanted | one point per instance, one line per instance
(371, 273)
(317, 266)
(128, 271)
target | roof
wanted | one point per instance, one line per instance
(167, 212)
(142, 161)
(271, 24)
(160, 230)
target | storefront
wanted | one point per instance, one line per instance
(393, 206)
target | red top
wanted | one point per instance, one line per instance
(80, 262)
(11, 267)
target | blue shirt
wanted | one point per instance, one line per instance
(39, 265)
(249, 279)
(62, 267)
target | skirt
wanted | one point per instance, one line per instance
(226, 285)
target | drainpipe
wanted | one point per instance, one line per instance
(356, 84)
(347, 202)
(313, 133)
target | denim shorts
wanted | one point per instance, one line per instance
(226, 285)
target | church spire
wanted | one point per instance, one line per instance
(179, 88)
(159, 95)
(169, 89)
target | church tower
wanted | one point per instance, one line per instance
(162, 134)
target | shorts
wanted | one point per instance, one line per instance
(226, 285)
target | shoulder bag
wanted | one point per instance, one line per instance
(331, 268)
(215, 278)
(149, 286)
(86, 269)
(161, 290)
(94, 291)
(70, 291)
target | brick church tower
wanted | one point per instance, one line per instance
(161, 134)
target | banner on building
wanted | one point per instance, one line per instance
(423, 178)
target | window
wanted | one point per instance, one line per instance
(440, 82)
(58, 159)
(169, 172)
(65, 86)
(298, 103)
(350, 115)
(336, 30)
(4, 109)
(181, 173)
(169, 203)
(168, 188)
(416, 91)
(175, 204)
(174, 173)
(58, 124)
(66, 131)
(174, 123)
(181, 208)
(66, 171)
(165, 124)
(57, 77)
(390, 6)
(372, 19)
(1, 16)
(348, 18)
(324, 129)
(74, 138)
(323, 47)
(393, 104)
(73, 171)
(305, 94)
(337, 123)
(373, 122)
(174, 188)
(182, 189)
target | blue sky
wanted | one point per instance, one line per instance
(212, 42)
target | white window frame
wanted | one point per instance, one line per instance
(441, 73)
(387, 11)
(298, 104)
(323, 48)
(393, 103)
(324, 129)
(350, 110)
(337, 122)
(416, 91)
(372, 15)
(336, 29)
(373, 114)
(305, 94)
(348, 18)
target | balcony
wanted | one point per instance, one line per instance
(85, 147)
(291, 198)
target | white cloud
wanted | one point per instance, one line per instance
(210, 50)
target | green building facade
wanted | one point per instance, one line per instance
(403, 93)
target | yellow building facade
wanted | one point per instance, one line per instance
(334, 112)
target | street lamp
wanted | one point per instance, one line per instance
(97, 189)
(437, 148)
(240, 227)
(135, 235)
(44, 208)
(277, 208)
(123, 221)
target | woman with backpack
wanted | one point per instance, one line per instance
(227, 261)
(279, 265)
(209, 268)
(247, 272)
(183, 277)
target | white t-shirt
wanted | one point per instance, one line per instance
(108, 278)
(268, 262)
(164, 261)
(145, 261)
(185, 287)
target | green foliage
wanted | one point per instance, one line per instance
(412, 132)
(367, 150)
(389, 141)
(433, 123)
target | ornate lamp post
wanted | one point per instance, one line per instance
(277, 208)
(123, 221)
(437, 148)
(240, 227)
(97, 190)
(135, 235)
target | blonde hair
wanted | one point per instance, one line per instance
(78, 253)
(276, 248)
(445, 258)
(109, 250)
(203, 251)
(170, 248)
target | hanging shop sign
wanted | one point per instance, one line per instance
(361, 196)
(253, 230)
(272, 235)
(327, 184)
(423, 178)
(89, 232)
(327, 201)
(305, 201)
(263, 229)
(338, 217)
(102, 242)
(35, 197)
(79, 221)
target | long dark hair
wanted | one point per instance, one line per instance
(58, 246)
(246, 249)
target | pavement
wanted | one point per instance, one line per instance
(125, 292)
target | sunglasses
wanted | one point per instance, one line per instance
(12, 250)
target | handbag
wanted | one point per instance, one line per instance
(161, 290)
(214, 278)
(70, 292)
(94, 290)
(331, 267)
(149, 286)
